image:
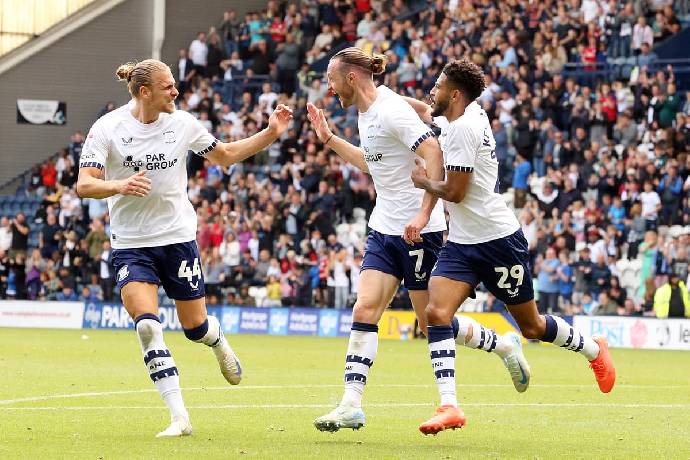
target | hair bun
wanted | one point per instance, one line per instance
(124, 72)
(378, 64)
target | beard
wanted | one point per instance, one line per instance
(439, 108)
(345, 99)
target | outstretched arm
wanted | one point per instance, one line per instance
(343, 148)
(228, 153)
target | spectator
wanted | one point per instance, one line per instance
(105, 274)
(600, 275)
(670, 189)
(606, 306)
(566, 282)
(651, 205)
(547, 282)
(523, 168)
(341, 281)
(198, 53)
(5, 234)
(671, 300)
(20, 236)
(287, 63)
(641, 33)
(229, 30)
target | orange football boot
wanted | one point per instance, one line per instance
(446, 417)
(603, 368)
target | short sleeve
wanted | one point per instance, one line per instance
(406, 125)
(200, 140)
(95, 151)
(460, 149)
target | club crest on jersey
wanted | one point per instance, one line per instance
(169, 137)
(130, 163)
(122, 273)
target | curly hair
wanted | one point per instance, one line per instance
(466, 76)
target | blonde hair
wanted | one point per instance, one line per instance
(375, 64)
(138, 74)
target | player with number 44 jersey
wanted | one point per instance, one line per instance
(485, 244)
(135, 156)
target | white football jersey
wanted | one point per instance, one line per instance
(122, 145)
(468, 145)
(390, 131)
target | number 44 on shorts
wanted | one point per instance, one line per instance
(517, 272)
(185, 272)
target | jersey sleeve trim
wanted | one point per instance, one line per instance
(203, 152)
(465, 169)
(91, 164)
(424, 137)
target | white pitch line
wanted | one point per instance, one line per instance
(377, 405)
(5, 402)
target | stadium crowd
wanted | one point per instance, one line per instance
(595, 163)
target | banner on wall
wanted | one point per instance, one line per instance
(98, 315)
(638, 332)
(41, 112)
(27, 313)
(321, 322)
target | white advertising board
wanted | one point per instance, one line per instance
(638, 332)
(59, 315)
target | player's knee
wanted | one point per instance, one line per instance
(364, 311)
(436, 315)
(532, 331)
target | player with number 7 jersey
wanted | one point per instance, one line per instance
(485, 244)
(406, 224)
(135, 156)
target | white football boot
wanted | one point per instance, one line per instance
(180, 426)
(516, 363)
(229, 362)
(341, 417)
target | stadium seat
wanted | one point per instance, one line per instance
(622, 265)
(676, 231)
(359, 214)
(259, 293)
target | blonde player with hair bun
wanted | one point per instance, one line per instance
(135, 158)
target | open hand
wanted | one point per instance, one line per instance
(280, 119)
(318, 122)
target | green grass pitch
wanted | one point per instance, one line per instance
(65, 395)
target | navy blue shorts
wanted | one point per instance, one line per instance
(502, 265)
(410, 263)
(177, 267)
